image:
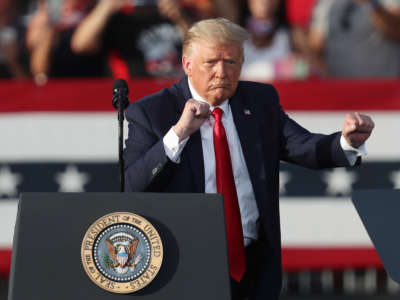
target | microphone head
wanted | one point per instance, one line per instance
(120, 83)
(120, 94)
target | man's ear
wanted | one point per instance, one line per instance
(187, 65)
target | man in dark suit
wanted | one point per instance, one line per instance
(213, 133)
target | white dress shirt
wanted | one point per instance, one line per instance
(247, 202)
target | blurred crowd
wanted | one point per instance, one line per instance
(290, 39)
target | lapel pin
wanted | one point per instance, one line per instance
(247, 112)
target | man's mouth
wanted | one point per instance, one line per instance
(221, 86)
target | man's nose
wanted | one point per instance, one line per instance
(220, 69)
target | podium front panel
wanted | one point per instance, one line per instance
(50, 228)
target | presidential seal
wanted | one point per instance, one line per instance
(122, 252)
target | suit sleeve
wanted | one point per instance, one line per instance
(311, 150)
(147, 166)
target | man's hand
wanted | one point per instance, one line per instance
(357, 129)
(193, 116)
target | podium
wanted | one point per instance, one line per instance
(48, 260)
(379, 211)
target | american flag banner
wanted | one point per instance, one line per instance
(63, 138)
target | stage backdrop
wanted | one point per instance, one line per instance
(63, 138)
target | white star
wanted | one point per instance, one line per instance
(9, 182)
(395, 178)
(339, 181)
(284, 178)
(71, 180)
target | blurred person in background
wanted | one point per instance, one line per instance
(13, 61)
(139, 35)
(146, 35)
(357, 38)
(299, 15)
(48, 39)
(205, 9)
(268, 52)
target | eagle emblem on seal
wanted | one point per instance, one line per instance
(122, 252)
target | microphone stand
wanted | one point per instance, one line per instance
(121, 101)
(121, 147)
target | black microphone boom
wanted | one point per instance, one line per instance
(120, 101)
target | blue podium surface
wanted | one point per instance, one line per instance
(379, 211)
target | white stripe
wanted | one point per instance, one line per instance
(321, 222)
(309, 223)
(59, 137)
(8, 213)
(93, 136)
(381, 146)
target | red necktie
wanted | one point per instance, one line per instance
(226, 186)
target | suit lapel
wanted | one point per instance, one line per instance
(193, 150)
(250, 140)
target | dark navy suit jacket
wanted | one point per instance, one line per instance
(267, 135)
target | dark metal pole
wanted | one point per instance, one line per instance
(121, 101)
(121, 148)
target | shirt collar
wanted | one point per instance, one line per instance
(224, 105)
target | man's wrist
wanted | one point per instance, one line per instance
(172, 146)
(180, 132)
(346, 146)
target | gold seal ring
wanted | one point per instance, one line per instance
(122, 252)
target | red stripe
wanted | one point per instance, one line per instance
(96, 94)
(5, 262)
(340, 95)
(69, 95)
(293, 259)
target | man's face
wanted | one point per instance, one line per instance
(263, 9)
(214, 69)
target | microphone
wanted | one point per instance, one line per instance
(120, 94)
(120, 101)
